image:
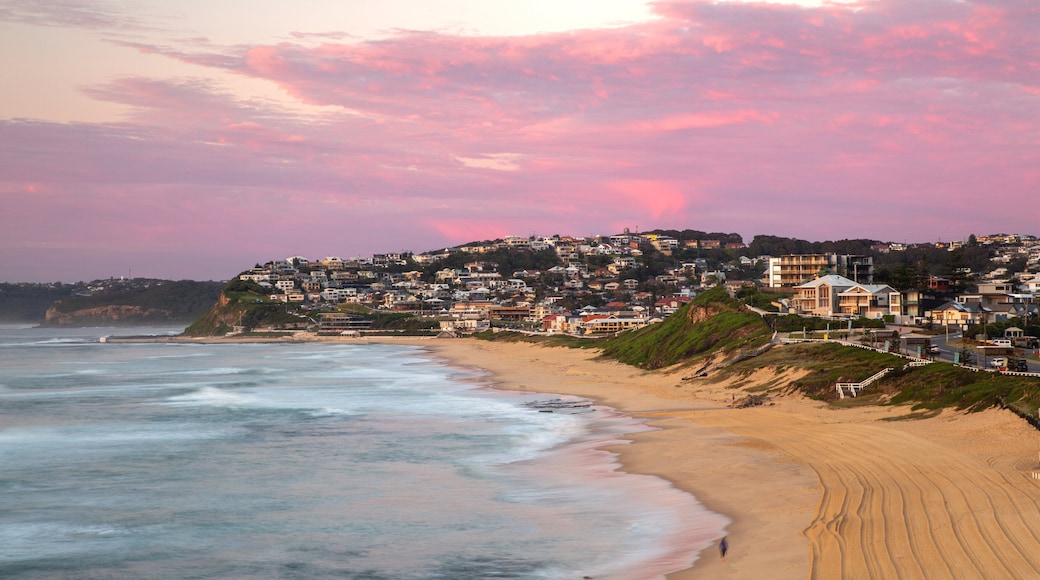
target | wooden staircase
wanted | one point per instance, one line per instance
(853, 389)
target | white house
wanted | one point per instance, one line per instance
(821, 297)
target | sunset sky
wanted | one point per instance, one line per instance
(192, 139)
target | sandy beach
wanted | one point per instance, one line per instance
(812, 491)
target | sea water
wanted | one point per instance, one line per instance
(164, 460)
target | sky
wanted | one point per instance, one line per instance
(191, 139)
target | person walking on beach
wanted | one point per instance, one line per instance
(723, 548)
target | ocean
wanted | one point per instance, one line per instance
(373, 461)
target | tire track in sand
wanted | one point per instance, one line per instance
(895, 505)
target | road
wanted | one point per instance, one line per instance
(946, 351)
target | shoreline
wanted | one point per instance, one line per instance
(696, 459)
(811, 490)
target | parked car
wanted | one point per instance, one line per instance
(1026, 342)
(998, 362)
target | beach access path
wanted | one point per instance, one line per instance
(812, 491)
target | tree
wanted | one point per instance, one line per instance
(752, 272)
(967, 356)
(902, 277)
(1017, 265)
(955, 267)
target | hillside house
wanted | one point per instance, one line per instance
(821, 297)
(866, 300)
(670, 304)
(958, 315)
(612, 323)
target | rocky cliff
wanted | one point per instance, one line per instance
(111, 315)
(220, 318)
(243, 304)
(157, 303)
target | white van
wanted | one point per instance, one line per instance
(1001, 342)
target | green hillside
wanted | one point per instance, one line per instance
(945, 385)
(246, 304)
(712, 323)
(935, 386)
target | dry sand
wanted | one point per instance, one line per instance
(812, 491)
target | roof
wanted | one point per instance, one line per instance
(953, 305)
(830, 280)
(874, 289)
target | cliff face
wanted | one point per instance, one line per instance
(698, 314)
(113, 314)
(144, 302)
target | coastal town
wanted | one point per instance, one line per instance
(606, 284)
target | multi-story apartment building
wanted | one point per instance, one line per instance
(912, 306)
(516, 242)
(859, 269)
(794, 269)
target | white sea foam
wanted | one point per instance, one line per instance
(76, 436)
(328, 412)
(213, 397)
(36, 531)
(215, 371)
(177, 356)
(49, 342)
(89, 372)
(22, 540)
(78, 392)
(64, 341)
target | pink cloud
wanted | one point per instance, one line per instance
(758, 118)
(469, 230)
(701, 120)
(657, 198)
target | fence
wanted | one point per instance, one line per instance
(912, 358)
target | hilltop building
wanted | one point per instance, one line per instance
(794, 269)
